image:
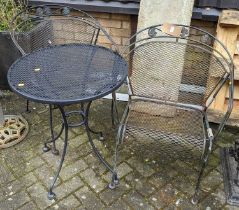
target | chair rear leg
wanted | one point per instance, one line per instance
(195, 196)
(114, 110)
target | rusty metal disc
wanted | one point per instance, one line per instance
(13, 131)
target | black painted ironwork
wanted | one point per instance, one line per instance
(176, 75)
(67, 74)
(48, 25)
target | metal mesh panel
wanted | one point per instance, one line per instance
(157, 64)
(49, 31)
(49, 79)
(180, 135)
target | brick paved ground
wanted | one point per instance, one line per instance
(146, 183)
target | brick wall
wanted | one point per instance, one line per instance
(120, 27)
(117, 25)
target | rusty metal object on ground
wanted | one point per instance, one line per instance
(15, 129)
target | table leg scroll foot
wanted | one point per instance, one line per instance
(194, 200)
(46, 148)
(51, 195)
(114, 182)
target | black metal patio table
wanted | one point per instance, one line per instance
(67, 74)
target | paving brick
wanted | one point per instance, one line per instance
(14, 201)
(39, 194)
(96, 183)
(119, 205)
(144, 169)
(29, 166)
(160, 179)
(123, 169)
(136, 201)
(68, 203)
(164, 197)
(78, 140)
(185, 185)
(184, 169)
(29, 206)
(89, 199)
(111, 195)
(68, 187)
(5, 174)
(144, 187)
(17, 186)
(52, 160)
(211, 181)
(45, 174)
(183, 203)
(73, 169)
(94, 163)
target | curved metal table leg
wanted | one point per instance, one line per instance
(51, 194)
(46, 148)
(27, 107)
(101, 137)
(102, 160)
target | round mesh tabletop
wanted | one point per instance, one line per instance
(67, 74)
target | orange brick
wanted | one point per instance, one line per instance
(120, 32)
(126, 24)
(110, 23)
(125, 41)
(105, 45)
(105, 40)
(120, 17)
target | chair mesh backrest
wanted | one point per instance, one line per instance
(37, 31)
(175, 70)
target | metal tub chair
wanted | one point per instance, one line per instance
(45, 25)
(177, 71)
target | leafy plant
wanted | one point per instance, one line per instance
(8, 10)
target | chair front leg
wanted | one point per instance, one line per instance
(114, 110)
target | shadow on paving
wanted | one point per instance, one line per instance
(148, 179)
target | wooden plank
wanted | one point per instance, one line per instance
(229, 18)
(236, 91)
(228, 36)
(236, 63)
(219, 100)
(237, 46)
(216, 117)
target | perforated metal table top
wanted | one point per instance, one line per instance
(67, 74)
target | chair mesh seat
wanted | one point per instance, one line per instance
(179, 134)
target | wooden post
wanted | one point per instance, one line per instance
(227, 33)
